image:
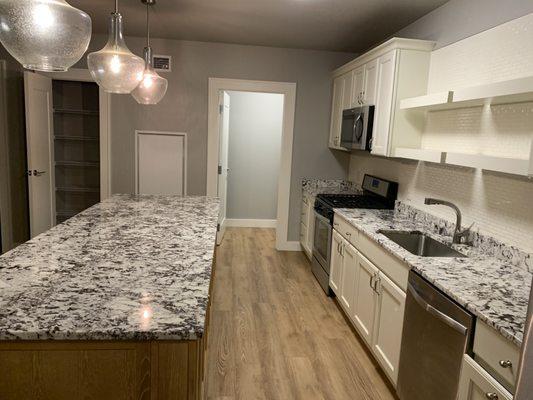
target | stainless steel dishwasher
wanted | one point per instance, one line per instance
(436, 334)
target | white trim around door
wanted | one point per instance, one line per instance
(147, 132)
(288, 89)
(83, 75)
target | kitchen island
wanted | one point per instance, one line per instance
(112, 304)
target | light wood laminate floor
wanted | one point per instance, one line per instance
(275, 335)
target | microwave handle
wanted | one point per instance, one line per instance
(355, 122)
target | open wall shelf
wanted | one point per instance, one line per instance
(515, 166)
(506, 92)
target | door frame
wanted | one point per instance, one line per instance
(167, 133)
(6, 218)
(288, 89)
(83, 75)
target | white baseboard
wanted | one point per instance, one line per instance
(289, 246)
(251, 223)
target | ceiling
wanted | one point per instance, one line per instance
(339, 25)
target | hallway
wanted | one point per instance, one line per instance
(275, 335)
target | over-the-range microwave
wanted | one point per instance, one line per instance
(356, 128)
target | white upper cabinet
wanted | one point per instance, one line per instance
(382, 77)
(358, 86)
(336, 112)
(386, 68)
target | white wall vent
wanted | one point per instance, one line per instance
(162, 63)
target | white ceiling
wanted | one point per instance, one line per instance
(340, 25)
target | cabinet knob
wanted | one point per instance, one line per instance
(491, 396)
(505, 363)
(348, 234)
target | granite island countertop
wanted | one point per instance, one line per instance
(494, 290)
(129, 268)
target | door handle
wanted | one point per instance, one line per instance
(38, 173)
(436, 313)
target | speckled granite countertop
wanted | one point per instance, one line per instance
(131, 267)
(493, 289)
(312, 187)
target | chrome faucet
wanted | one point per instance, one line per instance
(459, 233)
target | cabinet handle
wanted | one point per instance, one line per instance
(491, 396)
(505, 363)
(372, 281)
(348, 234)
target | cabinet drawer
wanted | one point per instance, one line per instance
(477, 384)
(347, 231)
(497, 354)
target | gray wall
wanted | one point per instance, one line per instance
(184, 108)
(459, 19)
(255, 126)
(16, 151)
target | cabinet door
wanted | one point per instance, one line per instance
(348, 88)
(388, 326)
(335, 267)
(347, 284)
(358, 85)
(364, 306)
(476, 384)
(310, 224)
(336, 112)
(384, 107)
(371, 82)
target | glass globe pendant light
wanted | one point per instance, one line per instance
(152, 87)
(44, 35)
(115, 68)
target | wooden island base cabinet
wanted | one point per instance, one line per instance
(107, 370)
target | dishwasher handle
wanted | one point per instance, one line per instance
(452, 323)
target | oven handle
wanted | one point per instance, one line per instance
(452, 323)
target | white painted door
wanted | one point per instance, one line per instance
(388, 326)
(224, 108)
(476, 384)
(335, 266)
(160, 163)
(336, 112)
(40, 151)
(384, 104)
(364, 307)
(371, 82)
(358, 86)
(349, 266)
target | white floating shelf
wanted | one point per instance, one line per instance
(506, 92)
(434, 156)
(515, 166)
(427, 102)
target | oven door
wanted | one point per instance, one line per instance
(322, 241)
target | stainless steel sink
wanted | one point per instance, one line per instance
(421, 245)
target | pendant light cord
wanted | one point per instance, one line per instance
(116, 6)
(147, 25)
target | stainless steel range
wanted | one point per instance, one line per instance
(377, 194)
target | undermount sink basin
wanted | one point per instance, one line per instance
(421, 245)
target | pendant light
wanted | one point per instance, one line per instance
(152, 87)
(44, 35)
(115, 68)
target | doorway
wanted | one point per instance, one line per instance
(67, 140)
(241, 204)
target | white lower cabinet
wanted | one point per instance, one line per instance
(366, 298)
(477, 384)
(388, 326)
(307, 225)
(374, 303)
(336, 263)
(348, 284)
